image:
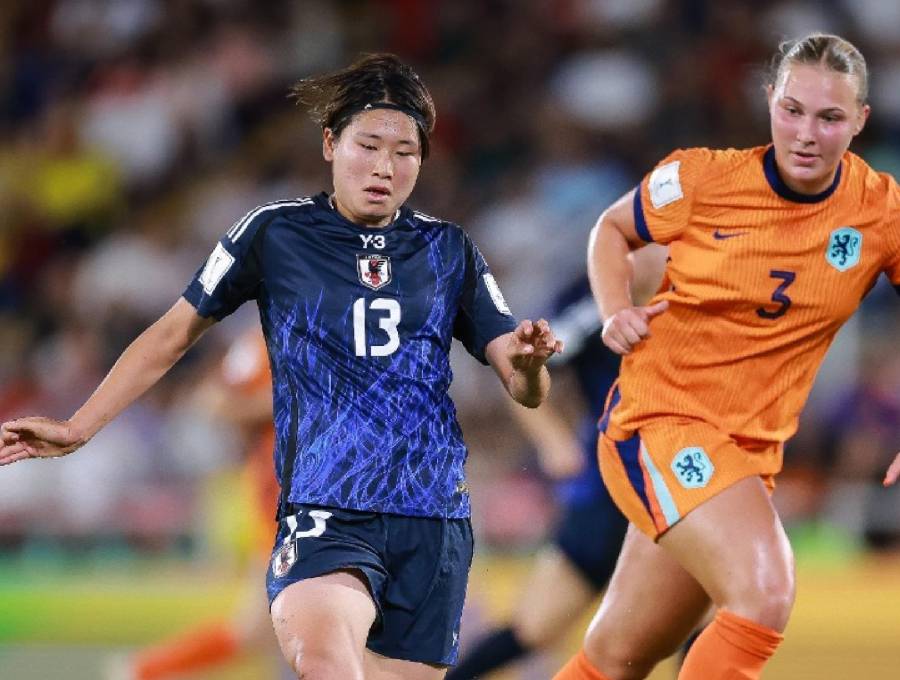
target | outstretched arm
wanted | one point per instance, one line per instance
(139, 367)
(518, 358)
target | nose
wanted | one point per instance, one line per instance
(384, 166)
(806, 130)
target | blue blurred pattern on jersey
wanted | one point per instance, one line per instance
(576, 319)
(359, 323)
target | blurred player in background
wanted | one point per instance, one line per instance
(240, 394)
(570, 573)
(772, 250)
(360, 298)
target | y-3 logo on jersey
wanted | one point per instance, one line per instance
(844, 248)
(374, 270)
(375, 240)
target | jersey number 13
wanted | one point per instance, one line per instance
(387, 322)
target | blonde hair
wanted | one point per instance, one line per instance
(823, 49)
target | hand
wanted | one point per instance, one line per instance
(37, 437)
(893, 472)
(561, 462)
(627, 327)
(531, 344)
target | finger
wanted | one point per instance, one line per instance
(525, 330)
(631, 334)
(893, 472)
(616, 346)
(656, 309)
(559, 346)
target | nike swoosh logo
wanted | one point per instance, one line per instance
(719, 236)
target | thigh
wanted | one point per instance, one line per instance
(383, 668)
(556, 594)
(651, 605)
(428, 561)
(735, 546)
(325, 617)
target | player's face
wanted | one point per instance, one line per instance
(815, 114)
(374, 165)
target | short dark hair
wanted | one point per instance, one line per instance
(334, 98)
(824, 49)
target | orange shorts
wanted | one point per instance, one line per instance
(659, 473)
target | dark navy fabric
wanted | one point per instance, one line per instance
(590, 534)
(577, 321)
(359, 323)
(416, 569)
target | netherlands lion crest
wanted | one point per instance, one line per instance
(692, 467)
(844, 248)
(374, 270)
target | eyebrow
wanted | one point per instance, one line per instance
(837, 109)
(372, 135)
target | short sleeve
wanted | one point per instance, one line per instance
(892, 267)
(665, 197)
(483, 313)
(233, 272)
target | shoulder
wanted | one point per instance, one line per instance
(290, 209)
(434, 227)
(870, 187)
(684, 169)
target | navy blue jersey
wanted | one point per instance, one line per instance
(358, 323)
(577, 321)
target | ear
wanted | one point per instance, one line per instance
(770, 92)
(329, 139)
(862, 118)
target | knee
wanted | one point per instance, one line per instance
(767, 600)
(618, 657)
(323, 664)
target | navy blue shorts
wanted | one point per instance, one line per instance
(416, 567)
(590, 534)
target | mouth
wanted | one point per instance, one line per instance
(804, 158)
(378, 194)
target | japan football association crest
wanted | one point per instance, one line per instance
(374, 270)
(284, 558)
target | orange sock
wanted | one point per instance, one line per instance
(731, 648)
(579, 668)
(192, 651)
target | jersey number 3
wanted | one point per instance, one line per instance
(387, 323)
(787, 278)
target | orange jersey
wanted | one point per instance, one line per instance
(246, 369)
(759, 281)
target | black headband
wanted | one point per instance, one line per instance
(412, 113)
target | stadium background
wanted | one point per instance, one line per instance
(134, 132)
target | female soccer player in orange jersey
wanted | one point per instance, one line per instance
(772, 249)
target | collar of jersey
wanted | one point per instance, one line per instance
(325, 202)
(779, 187)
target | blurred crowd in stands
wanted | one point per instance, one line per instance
(133, 133)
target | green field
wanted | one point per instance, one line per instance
(63, 623)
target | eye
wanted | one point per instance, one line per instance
(368, 147)
(829, 118)
(405, 153)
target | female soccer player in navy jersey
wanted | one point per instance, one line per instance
(359, 299)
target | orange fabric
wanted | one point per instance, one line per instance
(579, 668)
(730, 648)
(246, 369)
(190, 652)
(640, 471)
(729, 351)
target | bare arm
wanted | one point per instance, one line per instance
(893, 472)
(518, 358)
(611, 271)
(139, 367)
